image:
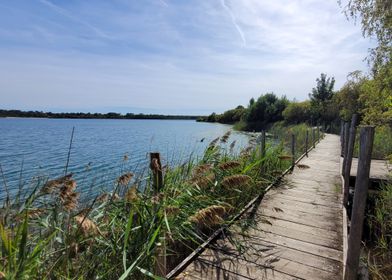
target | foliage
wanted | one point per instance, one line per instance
(268, 108)
(380, 223)
(376, 21)
(376, 97)
(348, 96)
(231, 116)
(283, 133)
(297, 112)
(321, 100)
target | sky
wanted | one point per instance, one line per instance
(170, 56)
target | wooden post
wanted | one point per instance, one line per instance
(263, 143)
(157, 183)
(346, 133)
(306, 142)
(292, 151)
(156, 168)
(360, 196)
(313, 138)
(318, 134)
(349, 158)
(341, 137)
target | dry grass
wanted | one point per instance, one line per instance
(229, 165)
(86, 226)
(124, 179)
(236, 181)
(209, 217)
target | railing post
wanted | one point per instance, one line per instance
(292, 151)
(157, 183)
(360, 196)
(306, 142)
(346, 133)
(313, 138)
(318, 134)
(262, 143)
(341, 137)
(349, 158)
(156, 168)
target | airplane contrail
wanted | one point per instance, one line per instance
(234, 21)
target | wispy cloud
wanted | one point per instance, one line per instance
(67, 14)
(234, 21)
(164, 3)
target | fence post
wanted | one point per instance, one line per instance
(341, 137)
(349, 158)
(156, 168)
(292, 151)
(306, 142)
(318, 134)
(313, 138)
(346, 133)
(157, 177)
(360, 196)
(263, 143)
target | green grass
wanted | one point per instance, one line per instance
(379, 258)
(120, 235)
(382, 145)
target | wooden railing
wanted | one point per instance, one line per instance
(352, 248)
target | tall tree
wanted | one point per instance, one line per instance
(321, 99)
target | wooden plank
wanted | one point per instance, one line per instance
(295, 244)
(301, 218)
(283, 203)
(379, 169)
(302, 198)
(330, 242)
(256, 270)
(208, 267)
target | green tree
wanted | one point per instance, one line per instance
(267, 109)
(347, 97)
(297, 112)
(321, 99)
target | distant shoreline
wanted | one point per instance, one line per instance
(111, 115)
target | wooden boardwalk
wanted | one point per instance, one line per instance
(296, 232)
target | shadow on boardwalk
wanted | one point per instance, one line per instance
(295, 232)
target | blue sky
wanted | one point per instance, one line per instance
(169, 56)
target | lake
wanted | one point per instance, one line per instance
(102, 150)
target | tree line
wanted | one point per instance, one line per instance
(80, 115)
(368, 96)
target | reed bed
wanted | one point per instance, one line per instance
(49, 234)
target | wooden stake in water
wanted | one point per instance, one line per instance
(69, 151)
(156, 168)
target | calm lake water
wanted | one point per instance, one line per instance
(98, 149)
